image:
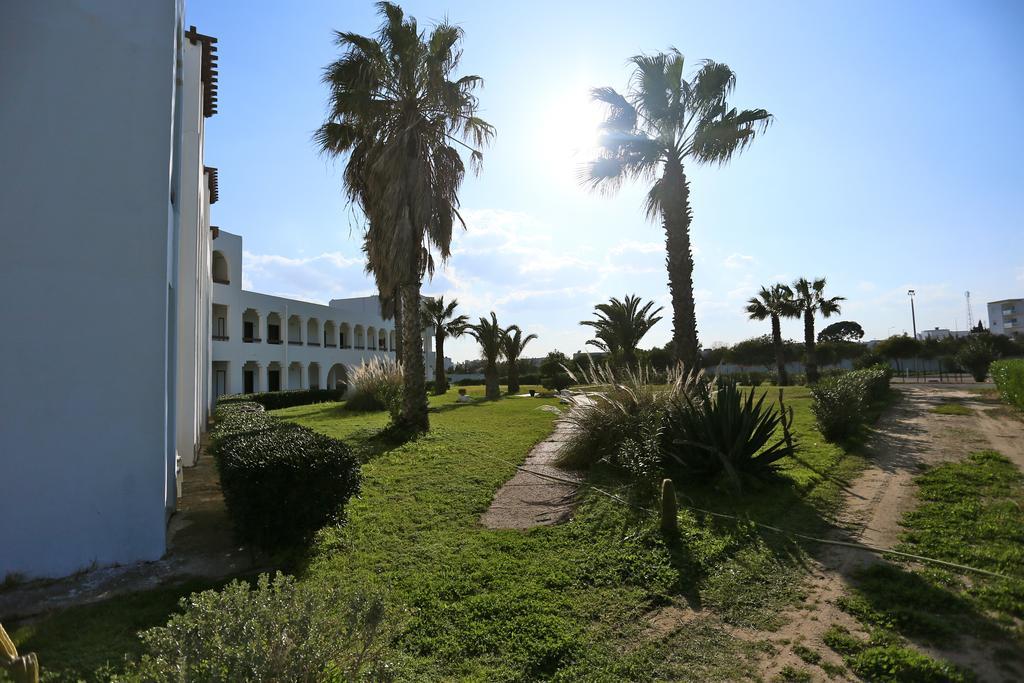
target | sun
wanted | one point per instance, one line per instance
(570, 132)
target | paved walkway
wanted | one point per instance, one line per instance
(528, 500)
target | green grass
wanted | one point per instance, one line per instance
(565, 602)
(952, 408)
(970, 512)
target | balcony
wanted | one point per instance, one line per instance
(220, 337)
(274, 341)
(331, 346)
(251, 340)
(292, 342)
(312, 343)
(221, 280)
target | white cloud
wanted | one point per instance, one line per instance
(738, 261)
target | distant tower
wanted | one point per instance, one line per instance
(970, 313)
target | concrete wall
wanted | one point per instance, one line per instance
(87, 133)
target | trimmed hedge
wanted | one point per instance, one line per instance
(1009, 378)
(282, 482)
(272, 400)
(841, 402)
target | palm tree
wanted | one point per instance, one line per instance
(649, 134)
(775, 303)
(395, 112)
(446, 324)
(620, 326)
(810, 300)
(512, 343)
(490, 335)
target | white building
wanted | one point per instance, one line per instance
(269, 343)
(124, 312)
(104, 236)
(1006, 317)
(942, 333)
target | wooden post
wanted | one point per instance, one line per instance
(23, 669)
(669, 509)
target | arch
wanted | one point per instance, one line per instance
(330, 334)
(275, 376)
(313, 332)
(219, 322)
(275, 331)
(371, 337)
(391, 340)
(294, 329)
(337, 376)
(382, 342)
(358, 337)
(313, 375)
(221, 272)
(344, 336)
(250, 325)
(295, 373)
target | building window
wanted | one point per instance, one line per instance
(247, 330)
(220, 328)
(273, 334)
(274, 380)
(221, 273)
(250, 381)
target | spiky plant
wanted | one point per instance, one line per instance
(775, 303)
(512, 343)
(489, 335)
(441, 316)
(377, 385)
(620, 325)
(810, 299)
(396, 113)
(650, 133)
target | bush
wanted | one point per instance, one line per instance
(1009, 378)
(719, 428)
(272, 400)
(976, 356)
(275, 631)
(841, 402)
(282, 482)
(470, 382)
(377, 385)
(620, 421)
(557, 381)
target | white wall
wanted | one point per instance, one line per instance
(86, 281)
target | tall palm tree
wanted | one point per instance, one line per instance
(810, 300)
(775, 303)
(512, 343)
(649, 134)
(446, 324)
(489, 335)
(620, 326)
(396, 113)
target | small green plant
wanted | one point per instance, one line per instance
(976, 356)
(791, 674)
(275, 400)
(807, 654)
(273, 631)
(377, 385)
(896, 663)
(1009, 378)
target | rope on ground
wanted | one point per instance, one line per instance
(785, 532)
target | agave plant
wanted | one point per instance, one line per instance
(725, 429)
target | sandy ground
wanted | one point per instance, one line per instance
(529, 499)
(908, 436)
(199, 545)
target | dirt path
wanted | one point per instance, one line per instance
(528, 500)
(908, 436)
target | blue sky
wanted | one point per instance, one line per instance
(895, 161)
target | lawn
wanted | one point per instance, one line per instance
(566, 602)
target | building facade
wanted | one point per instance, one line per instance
(101, 277)
(270, 343)
(1006, 317)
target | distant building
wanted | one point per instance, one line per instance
(449, 364)
(1006, 317)
(942, 333)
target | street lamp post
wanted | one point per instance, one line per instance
(913, 316)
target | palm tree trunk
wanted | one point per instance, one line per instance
(414, 397)
(676, 216)
(491, 379)
(780, 358)
(440, 380)
(513, 377)
(399, 332)
(810, 363)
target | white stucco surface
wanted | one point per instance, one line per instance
(87, 129)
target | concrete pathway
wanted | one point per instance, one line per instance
(527, 499)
